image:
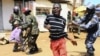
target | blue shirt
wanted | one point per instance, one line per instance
(91, 26)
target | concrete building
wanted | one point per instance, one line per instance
(39, 9)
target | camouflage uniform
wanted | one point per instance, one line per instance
(15, 20)
(91, 28)
(31, 22)
(33, 32)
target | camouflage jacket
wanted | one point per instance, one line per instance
(30, 21)
(15, 19)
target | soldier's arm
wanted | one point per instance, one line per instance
(90, 24)
(79, 21)
(11, 20)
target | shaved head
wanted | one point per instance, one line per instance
(57, 5)
(56, 9)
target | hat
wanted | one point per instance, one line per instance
(90, 6)
(97, 10)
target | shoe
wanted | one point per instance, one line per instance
(32, 51)
(36, 50)
(7, 42)
(15, 50)
(89, 54)
(29, 53)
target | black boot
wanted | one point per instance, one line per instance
(90, 53)
(15, 49)
(31, 51)
(36, 48)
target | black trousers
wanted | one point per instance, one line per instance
(32, 42)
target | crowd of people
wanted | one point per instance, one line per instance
(25, 25)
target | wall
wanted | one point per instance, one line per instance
(7, 11)
(1, 19)
(64, 12)
(78, 2)
(41, 18)
(46, 3)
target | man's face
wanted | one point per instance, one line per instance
(56, 9)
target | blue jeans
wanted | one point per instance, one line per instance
(89, 43)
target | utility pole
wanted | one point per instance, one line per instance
(74, 3)
(82, 2)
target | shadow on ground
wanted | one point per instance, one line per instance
(77, 53)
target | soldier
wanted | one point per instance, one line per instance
(15, 20)
(90, 23)
(15, 17)
(33, 30)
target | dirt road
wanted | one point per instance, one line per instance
(44, 43)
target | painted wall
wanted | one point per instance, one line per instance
(7, 11)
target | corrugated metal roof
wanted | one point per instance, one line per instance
(59, 1)
(24, 0)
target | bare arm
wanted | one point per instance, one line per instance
(48, 26)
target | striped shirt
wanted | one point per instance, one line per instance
(57, 26)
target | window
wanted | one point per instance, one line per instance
(42, 11)
(25, 3)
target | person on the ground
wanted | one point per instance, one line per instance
(3, 39)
